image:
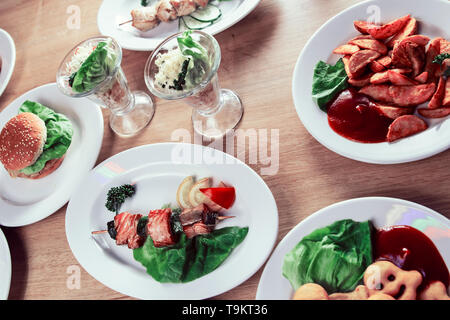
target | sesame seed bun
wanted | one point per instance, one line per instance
(22, 141)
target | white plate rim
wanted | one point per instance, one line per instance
(325, 210)
(357, 154)
(49, 207)
(72, 238)
(245, 8)
(11, 63)
(6, 261)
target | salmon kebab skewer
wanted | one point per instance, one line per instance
(131, 229)
(147, 18)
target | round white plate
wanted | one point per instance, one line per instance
(157, 170)
(5, 267)
(114, 12)
(339, 30)
(379, 210)
(8, 58)
(25, 201)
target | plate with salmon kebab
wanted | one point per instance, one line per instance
(175, 221)
(378, 93)
(142, 25)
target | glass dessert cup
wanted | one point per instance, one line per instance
(130, 111)
(215, 110)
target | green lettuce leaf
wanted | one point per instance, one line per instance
(198, 64)
(328, 80)
(189, 259)
(59, 134)
(334, 257)
(95, 68)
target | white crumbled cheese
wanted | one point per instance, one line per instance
(170, 65)
(80, 55)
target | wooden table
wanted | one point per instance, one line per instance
(259, 54)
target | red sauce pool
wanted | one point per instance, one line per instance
(410, 249)
(355, 117)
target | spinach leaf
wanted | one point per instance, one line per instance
(189, 259)
(59, 134)
(95, 68)
(334, 257)
(212, 249)
(328, 80)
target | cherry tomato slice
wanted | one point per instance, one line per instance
(223, 196)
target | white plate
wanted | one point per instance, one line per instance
(5, 267)
(25, 201)
(8, 57)
(113, 12)
(158, 170)
(379, 210)
(339, 30)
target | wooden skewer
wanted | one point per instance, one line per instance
(99, 231)
(220, 218)
(122, 23)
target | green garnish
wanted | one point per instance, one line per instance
(441, 57)
(144, 3)
(189, 259)
(117, 195)
(181, 81)
(94, 69)
(328, 80)
(200, 64)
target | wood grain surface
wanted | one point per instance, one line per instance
(259, 54)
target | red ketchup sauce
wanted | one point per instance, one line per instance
(355, 117)
(410, 249)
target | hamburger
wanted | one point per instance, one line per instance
(33, 143)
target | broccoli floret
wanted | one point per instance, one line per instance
(117, 195)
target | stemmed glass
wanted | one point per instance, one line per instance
(130, 111)
(215, 110)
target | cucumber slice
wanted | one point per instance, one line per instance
(194, 24)
(209, 13)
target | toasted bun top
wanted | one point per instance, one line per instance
(22, 140)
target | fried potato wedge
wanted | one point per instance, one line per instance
(361, 26)
(383, 77)
(375, 66)
(405, 126)
(346, 49)
(371, 44)
(409, 29)
(379, 92)
(438, 96)
(433, 50)
(346, 60)
(361, 59)
(361, 81)
(389, 29)
(398, 79)
(406, 96)
(386, 61)
(394, 112)
(434, 113)
(422, 78)
(446, 100)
